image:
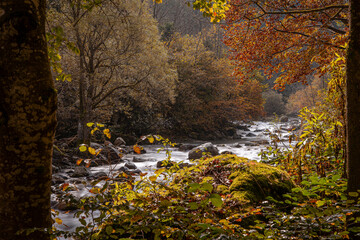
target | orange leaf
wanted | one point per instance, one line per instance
(137, 149)
(78, 161)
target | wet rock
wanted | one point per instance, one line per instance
(59, 178)
(251, 144)
(186, 147)
(169, 164)
(226, 152)
(66, 205)
(80, 171)
(119, 141)
(237, 145)
(130, 165)
(284, 119)
(164, 163)
(242, 127)
(204, 149)
(98, 176)
(129, 171)
(230, 131)
(250, 135)
(261, 142)
(138, 159)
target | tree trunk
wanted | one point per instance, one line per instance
(353, 98)
(353, 110)
(27, 120)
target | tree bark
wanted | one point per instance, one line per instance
(353, 111)
(353, 98)
(27, 121)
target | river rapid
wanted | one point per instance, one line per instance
(249, 142)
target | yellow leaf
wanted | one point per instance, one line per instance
(100, 125)
(90, 124)
(94, 130)
(151, 139)
(92, 151)
(82, 148)
(98, 151)
(107, 133)
(153, 178)
(58, 221)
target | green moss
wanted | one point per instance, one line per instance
(249, 181)
(255, 181)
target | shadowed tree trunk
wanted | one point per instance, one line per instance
(353, 98)
(353, 110)
(27, 120)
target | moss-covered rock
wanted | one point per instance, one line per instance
(247, 181)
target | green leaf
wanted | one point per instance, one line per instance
(193, 187)
(216, 200)
(193, 205)
(206, 187)
(109, 230)
(82, 221)
(353, 194)
(320, 203)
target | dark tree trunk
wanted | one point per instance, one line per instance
(27, 120)
(353, 110)
(353, 98)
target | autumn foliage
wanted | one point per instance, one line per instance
(292, 38)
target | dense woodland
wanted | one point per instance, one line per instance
(76, 74)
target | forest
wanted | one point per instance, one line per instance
(179, 119)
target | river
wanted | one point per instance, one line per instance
(253, 140)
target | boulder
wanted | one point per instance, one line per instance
(164, 163)
(80, 171)
(226, 152)
(251, 135)
(130, 165)
(248, 182)
(284, 119)
(205, 149)
(169, 164)
(138, 159)
(186, 147)
(237, 145)
(119, 141)
(129, 171)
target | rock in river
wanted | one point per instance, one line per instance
(204, 149)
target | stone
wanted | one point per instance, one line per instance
(204, 149)
(119, 141)
(284, 119)
(226, 152)
(99, 175)
(80, 171)
(137, 159)
(130, 165)
(164, 163)
(250, 135)
(237, 145)
(186, 147)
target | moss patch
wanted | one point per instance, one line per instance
(247, 181)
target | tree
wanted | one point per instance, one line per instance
(353, 98)
(27, 121)
(292, 39)
(208, 97)
(109, 63)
